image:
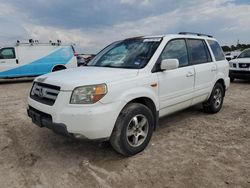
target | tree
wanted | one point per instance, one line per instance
(233, 48)
(237, 47)
(226, 48)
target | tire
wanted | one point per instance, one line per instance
(58, 68)
(215, 101)
(232, 79)
(133, 129)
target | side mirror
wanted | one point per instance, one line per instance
(169, 64)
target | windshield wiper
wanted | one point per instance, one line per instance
(106, 66)
(110, 66)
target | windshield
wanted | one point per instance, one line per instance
(245, 54)
(130, 53)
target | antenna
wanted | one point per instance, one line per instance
(32, 42)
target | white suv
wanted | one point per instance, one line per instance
(123, 91)
(240, 67)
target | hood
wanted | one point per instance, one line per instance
(71, 78)
(240, 60)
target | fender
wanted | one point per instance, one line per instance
(226, 82)
(130, 93)
(142, 92)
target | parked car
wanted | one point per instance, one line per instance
(83, 59)
(232, 55)
(240, 67)
(120, 95)
(34, 58)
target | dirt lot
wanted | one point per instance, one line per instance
(189, 149)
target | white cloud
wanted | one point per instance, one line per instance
(136, 2)
(11, 28)
(45, 34)
(222, 18)
(5, 9)
(96, 39)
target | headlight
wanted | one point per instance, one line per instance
(88, 94)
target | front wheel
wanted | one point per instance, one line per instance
(215, 101)
(133, 129)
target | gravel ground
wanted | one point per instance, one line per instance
(189, 149)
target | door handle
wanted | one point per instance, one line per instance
(2, 61)
(214, 69)
(189, 74)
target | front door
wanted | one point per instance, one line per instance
(176, 86)
(8, 62)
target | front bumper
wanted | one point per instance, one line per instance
(93, 122)
(45, 120)
(239, 74)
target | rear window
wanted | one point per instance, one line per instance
(217, 51)
(198, 51)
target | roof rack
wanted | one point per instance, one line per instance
(32, 42)
(198, 34)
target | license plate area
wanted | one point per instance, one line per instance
(36, 118)
(244, 69)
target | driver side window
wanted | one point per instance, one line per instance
(7, 53)
(176, 49)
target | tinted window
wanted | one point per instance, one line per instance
(7, 53)
(245, 54)
(176, 49)
(198, 51)
(218, 53)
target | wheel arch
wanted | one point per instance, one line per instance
(57, 66)
(150, 104)
(222, 82)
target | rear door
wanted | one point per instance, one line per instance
(205, 69)
(8, 62)
(176, 86)
(220, 60)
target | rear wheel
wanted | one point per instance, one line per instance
(58, 68)
(215, 102)
(133, 129)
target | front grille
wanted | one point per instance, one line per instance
(244, 65)
(44, 93)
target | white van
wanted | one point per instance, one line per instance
(34, 58)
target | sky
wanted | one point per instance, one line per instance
(92, 25)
